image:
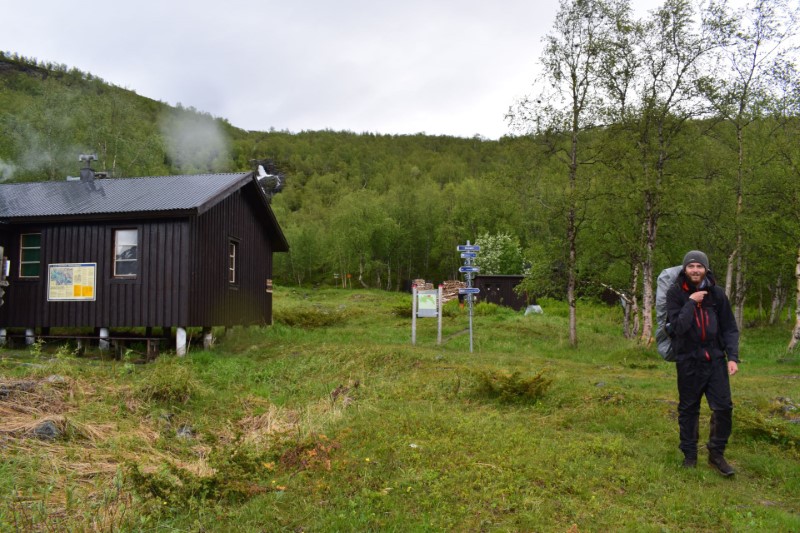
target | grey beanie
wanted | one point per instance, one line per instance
(696, 256)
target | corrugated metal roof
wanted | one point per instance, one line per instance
(108, 196)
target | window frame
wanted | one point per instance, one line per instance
(233, 262)
(115, 232)
(23, 262)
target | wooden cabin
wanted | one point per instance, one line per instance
(153, 252)
(499, 289)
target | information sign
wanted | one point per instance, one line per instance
(427, 304)
(71, 282)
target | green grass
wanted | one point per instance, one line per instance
(331, 421)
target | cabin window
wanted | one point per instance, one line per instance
(30, 255)
(126, 253)
(233, 249)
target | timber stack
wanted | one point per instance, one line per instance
(422, 285)
(450, 289)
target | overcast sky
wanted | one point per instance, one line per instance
(393, 67)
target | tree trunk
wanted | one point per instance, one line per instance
(739, 293)
(729, 275)
(571, 299)
(778, 297)
(361, 272)
(635, 302)
(796, 333)
(647, 268)
(572, 236)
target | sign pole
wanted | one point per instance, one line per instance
(469, 252)
(414, 316)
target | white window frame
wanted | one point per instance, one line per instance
(233, 252)
(117, 232)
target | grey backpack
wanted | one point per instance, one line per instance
(663, 336)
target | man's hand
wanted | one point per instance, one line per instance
(698, 296)
(732, 368)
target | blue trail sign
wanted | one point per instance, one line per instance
(466, 268)
(468, 248)
(469, 290)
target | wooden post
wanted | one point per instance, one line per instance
(413, 315)
(439, 315)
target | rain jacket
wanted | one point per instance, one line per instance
(706, 331)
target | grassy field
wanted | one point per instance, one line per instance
(331, 421)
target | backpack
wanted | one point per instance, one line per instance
(663, 333)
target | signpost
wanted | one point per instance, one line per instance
(469, 252)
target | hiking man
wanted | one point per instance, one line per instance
(706, 343)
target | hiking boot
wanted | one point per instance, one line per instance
(689, 462)
(717, 461)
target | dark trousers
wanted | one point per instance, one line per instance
(698, 377)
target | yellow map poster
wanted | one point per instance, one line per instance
(72, 281)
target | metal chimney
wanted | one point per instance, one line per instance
(87, 174)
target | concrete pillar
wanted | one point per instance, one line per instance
(30, 336)
(180, 341)
(208, 338)
(3, 337)
(104, 344)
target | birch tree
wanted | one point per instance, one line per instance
(565, 107)
(673, 43)
(743, 91)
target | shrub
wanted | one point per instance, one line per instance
(169, 380)
(512, 388)
(311, 317)
(490, 309)
(236, 474)
(756, 426)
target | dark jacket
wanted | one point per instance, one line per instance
(707, 331)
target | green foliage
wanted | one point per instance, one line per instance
(170, 380)
(394, 437)
(236, 474)
(375, 211)
(490, 309)
(512, 388)
(758, 426)
(312, 317)
(500, 253)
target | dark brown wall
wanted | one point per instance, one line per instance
(500, 290)
(214, 301)
(152, 299)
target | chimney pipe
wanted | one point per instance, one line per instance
(87, 174)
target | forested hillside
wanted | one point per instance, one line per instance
(658, 150)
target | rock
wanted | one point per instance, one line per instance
(185, 431)
(21, 386)
(534, 310)
(47, 430)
